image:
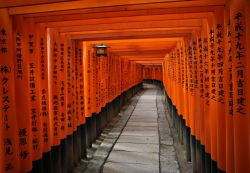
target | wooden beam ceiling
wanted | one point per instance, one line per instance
(17, 3)
(131, 35)
(129, 19)
(131, 4)
(111, 12)
(139, 30)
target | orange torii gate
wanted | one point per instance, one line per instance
(214, 62)
(53, 83)
(153, 72)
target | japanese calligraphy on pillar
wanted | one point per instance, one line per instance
(240, 57)
(43, 84)
(186, 69)
(34, 99)
(182, 67)
(174, 60)
(3, 41)
(212, 65)
(201, 70)
(69, 101)
(206, 72)
(89, 80)
(95, 71)
(220, 63)
(195, 65)
(8, 140)
(75, 93)
(191, 70)
(19, 57)
(62, 83)
(5, 99)
(42, 60)
(178, 54)
(81, 84)
(8, 130)
(98, 64)
(23, 105)
(54, 84)
(230, 71)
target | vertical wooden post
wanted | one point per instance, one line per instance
(9, 146)
(21, 90)
(239, 17)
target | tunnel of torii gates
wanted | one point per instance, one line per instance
(53, 84)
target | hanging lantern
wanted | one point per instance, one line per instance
(101, 50)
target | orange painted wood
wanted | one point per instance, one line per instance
(4, 4)
(240, 43)
(220, 87)
(69, 99)
(229, 112)
(73, 59)
(87, 79)
(21, 89)
(133, 25)
(197, 116)
(85, 20)
(201, 83)
(9, 145)
(179, 78)
(54, 86)
(207, 109)
(62, 85)
(42, 57)
(92, 4)
(191, 94)
(34, 95)
(81, 83)
(212, 82)
(198, 86)
(135, 10)
(186, 86)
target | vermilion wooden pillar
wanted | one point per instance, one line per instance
(207, 114)
(54, 94)
(21, 89)
(219, 38)
(9, 162)
(229, 112)
(87, 90)
(42, 56)
(201, 91)
(213, 91)
(239, 17)
(186, 98)
(34, 95)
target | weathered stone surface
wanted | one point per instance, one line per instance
(167, 153)
(169, 167)
(135, 119)
(144, 113)
(111, 167)
(140, 128)
(138, 139)
(145, 108)
(168, 140)
(150, 148)
(134, 157)
(142, 124)
(140, 132)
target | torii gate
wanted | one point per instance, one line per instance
(47, 55)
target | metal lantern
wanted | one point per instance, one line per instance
(101, 50)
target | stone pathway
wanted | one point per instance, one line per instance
(140, 140)
(145, 144)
